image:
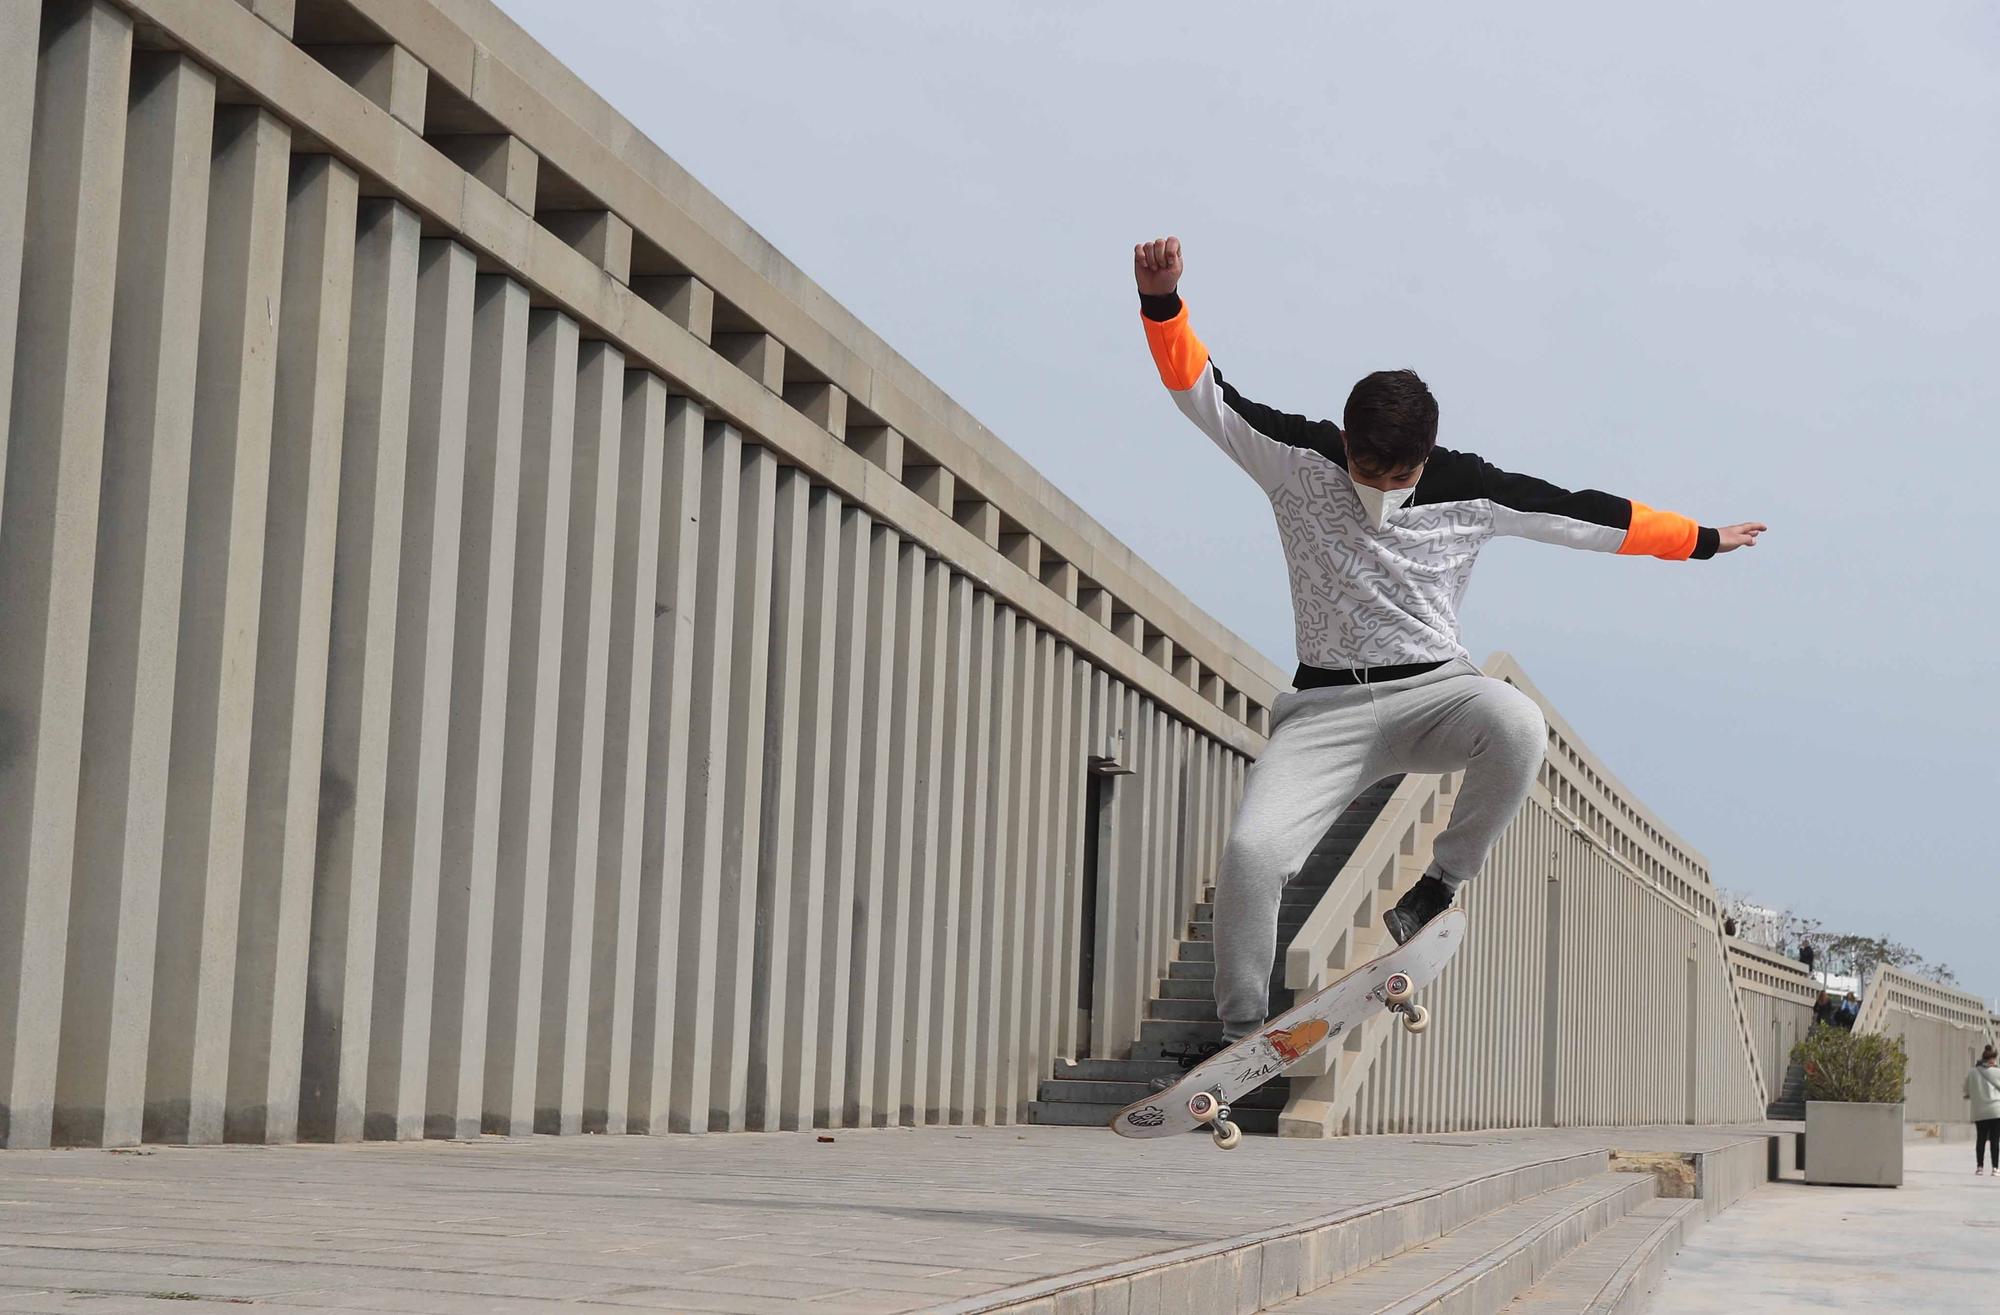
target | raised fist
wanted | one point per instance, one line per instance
(1157, 265)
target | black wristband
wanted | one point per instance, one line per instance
(1160, 306)
(1705, 544)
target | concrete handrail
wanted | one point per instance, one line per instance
(1321, 949)
(1890, 988)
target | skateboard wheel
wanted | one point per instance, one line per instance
(1203, 1106)
(1226, 1134)
(1398, 988)
(1416, 1019)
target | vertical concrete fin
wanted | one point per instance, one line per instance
(872, 887)
(221, 597)
(135, 605)
(48, 526)
(773, 958)
(952, 635)
(900, 900)
(1002, 754)
(743, 796)
(534, 701)
(340, 966)
(627, 725)
(475, 749)
(579, 774)
(420, 704)
(930, 617)
(663, 840)
(970, 985)
(288, 717)
(693, 1030)
(813, 792)
(850, 566)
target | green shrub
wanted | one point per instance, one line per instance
(1844, 1065)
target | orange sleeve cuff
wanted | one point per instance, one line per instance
(1176, 351)
(1660, 534)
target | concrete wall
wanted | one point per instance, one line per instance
(491, 645)
(1942, 1028)
(1592, 988)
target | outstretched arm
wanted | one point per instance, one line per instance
(1531, 508)
(1263, 440)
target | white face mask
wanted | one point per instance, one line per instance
(1376, 504)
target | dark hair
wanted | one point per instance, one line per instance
(1989, 1055)
(1391, 421)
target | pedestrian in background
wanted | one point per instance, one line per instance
(1982, 1088)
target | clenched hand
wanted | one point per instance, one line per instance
(1157, 265)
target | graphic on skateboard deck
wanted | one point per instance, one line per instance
(1385, 982)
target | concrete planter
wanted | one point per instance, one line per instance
(1854, 1143)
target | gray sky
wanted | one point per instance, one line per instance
(1733, 260)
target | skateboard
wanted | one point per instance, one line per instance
(1386, 982)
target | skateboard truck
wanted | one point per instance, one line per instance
(1396, 994)
(1205, 1108)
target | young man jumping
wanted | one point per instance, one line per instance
(1380, 528)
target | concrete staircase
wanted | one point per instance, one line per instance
(1582, 1232)
(1790, 1103)
(1180, 1028)
(1594, 1244)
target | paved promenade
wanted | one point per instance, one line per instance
(877, 1221)
(1932, 1244)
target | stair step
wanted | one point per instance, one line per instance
(1270, 1096)
(1170, 1039)
(1141, 1071)
(1488, 1262)
(1204, 932)
(1177, 987)
(1614, 1270)
(1192, 1011)
(1116, 1070)
(1257, 1122)
(1292, 913)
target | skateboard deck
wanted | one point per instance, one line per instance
(1383, 983)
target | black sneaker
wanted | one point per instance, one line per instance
(1420, 903)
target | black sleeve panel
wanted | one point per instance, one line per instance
(1160, 307)
(1705, 543)
(1321, 436)
(1461, 477)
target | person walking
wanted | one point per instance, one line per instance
(1982, 1088)
(1380, 527)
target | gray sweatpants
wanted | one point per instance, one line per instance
(1326, 747)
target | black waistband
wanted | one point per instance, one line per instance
(1311, 677)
